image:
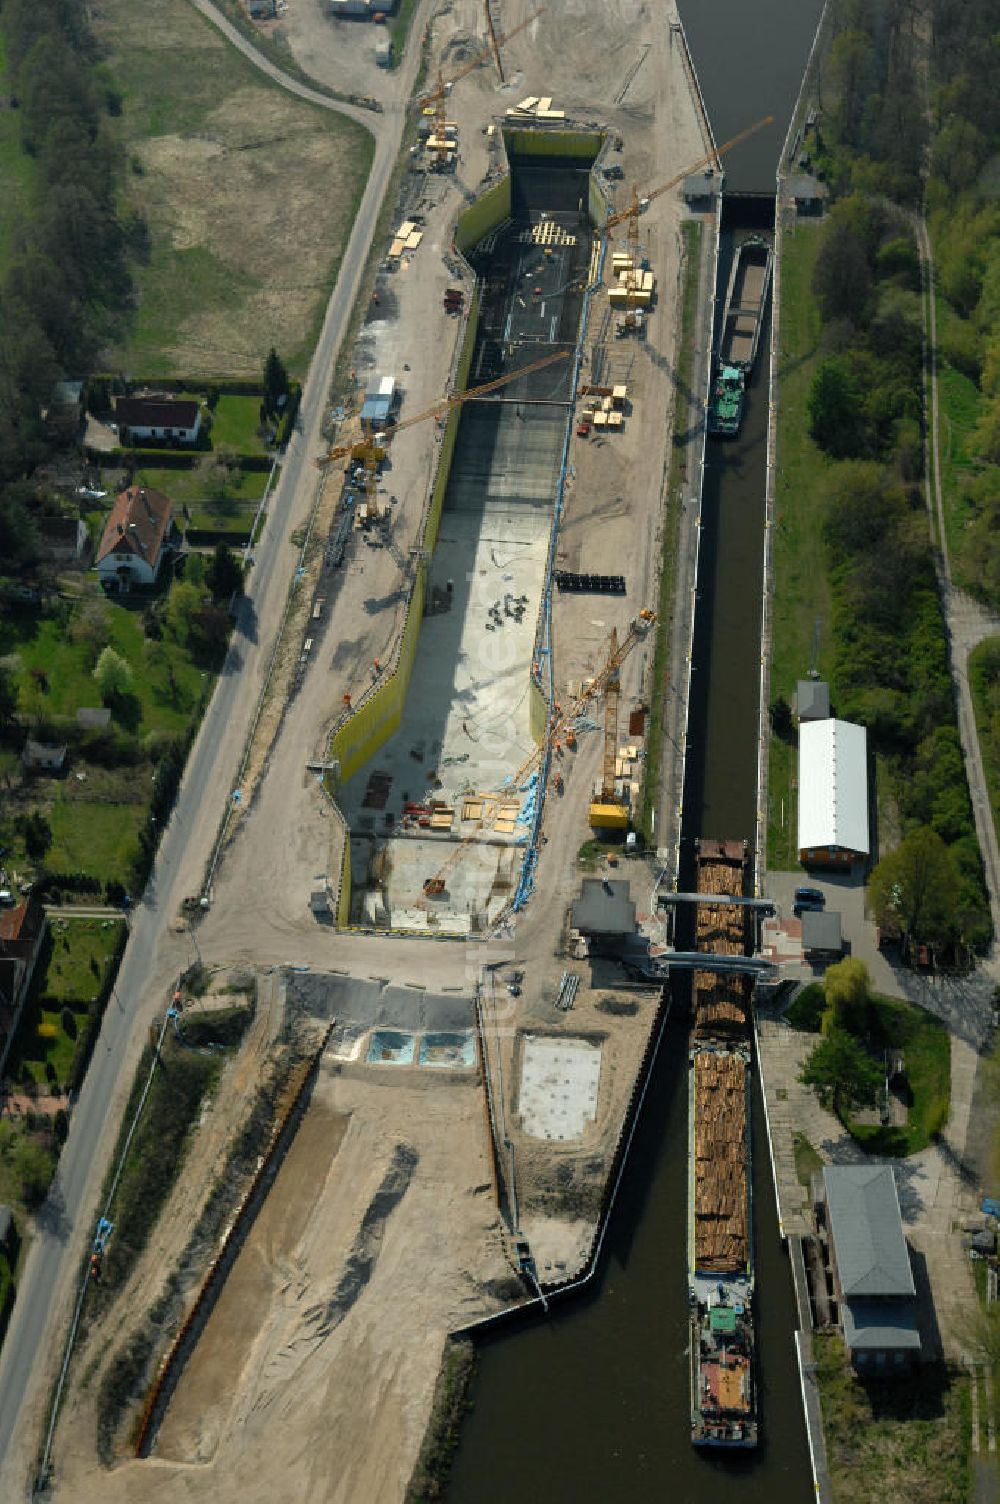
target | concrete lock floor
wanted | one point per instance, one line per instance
(465, 727)
(466, 722)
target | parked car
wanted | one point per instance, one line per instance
(811, 896)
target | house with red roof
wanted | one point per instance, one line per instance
(22, 933)
(138, 534)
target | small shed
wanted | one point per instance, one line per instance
(604, 908)
(807, 193)
(378, 403)
(93, 717)
(812, 700)
(47, 757)
(833, 793)
(821, 933)
(699, 191)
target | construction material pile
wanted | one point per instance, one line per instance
(720, 999)
(721, 1163)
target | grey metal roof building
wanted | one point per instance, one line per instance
(604, 908)
(812, 700)
(872, 1265)
(867, 1230)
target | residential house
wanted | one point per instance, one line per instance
(138, 534)
(171, 418)
(62, 539)
(872, 1279)
(22, 934)
(833, 793)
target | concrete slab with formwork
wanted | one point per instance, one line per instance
(557, 1097)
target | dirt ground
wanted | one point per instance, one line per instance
(307, 1382)
(315, 1375)
(220, 271)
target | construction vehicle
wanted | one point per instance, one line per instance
(629, 216)
(440, 143)
(560, 727)
(369, 450)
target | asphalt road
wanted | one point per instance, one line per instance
(155, 953)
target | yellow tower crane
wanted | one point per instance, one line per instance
(638, 205)
(436, 98)
(560, 727)
(370, 449)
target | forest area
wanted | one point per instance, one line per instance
(65, 283)
(909, 120)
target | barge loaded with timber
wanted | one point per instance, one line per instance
(720, 1255)
(742, 321)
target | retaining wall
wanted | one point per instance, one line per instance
(523, 141)
(483, 216)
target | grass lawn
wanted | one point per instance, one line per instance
(904, 1438)
(806, 1011)
(399, 29)
(16, 169)
(186, 488)
(807, 1162)
(802, 609)
(235, 421)
(249, 195)
(98, 839)
(44, 642)
(71, 972)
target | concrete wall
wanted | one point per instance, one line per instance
(379, 715)
(521, 142)
(440, 486)
(483, 216)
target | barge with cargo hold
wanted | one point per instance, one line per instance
(742, 321)
(720, 1248)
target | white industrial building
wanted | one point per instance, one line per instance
(833, 793)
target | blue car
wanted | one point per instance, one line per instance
(810, 898)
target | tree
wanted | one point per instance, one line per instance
(113, 675)
(844, 1075)
(34, 1167)
(216, 472)
(224, 577)
(847, 987)
(37, 835)
(68, 1020)
(836, 410)
(916, 887)
(781, 720)
(183, 603)
(275, 382)
(91, 628)
(8, 696)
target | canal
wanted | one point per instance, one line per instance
(592, 1403)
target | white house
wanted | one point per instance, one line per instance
(833, 793)
(138, 532)
(171, 418)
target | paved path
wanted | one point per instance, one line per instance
(155, 953)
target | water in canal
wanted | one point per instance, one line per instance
(592, 1403)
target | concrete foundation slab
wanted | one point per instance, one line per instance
(559, 1081)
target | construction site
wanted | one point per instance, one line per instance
(453, 743)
